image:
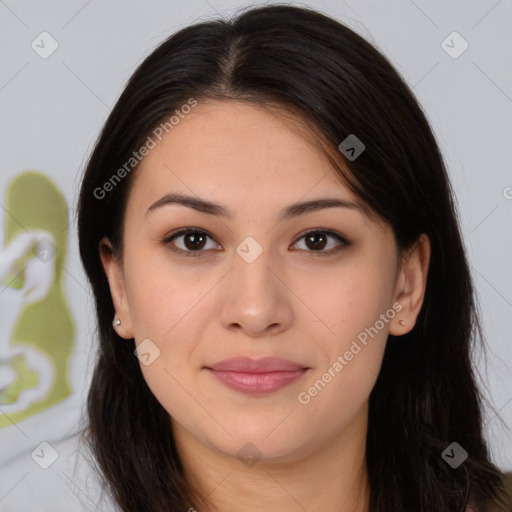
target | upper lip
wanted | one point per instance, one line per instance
(250, 365)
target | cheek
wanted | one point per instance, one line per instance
(355, 303)
(160, 295)
(347, 299)
(169, 306)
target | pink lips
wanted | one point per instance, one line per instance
(260, 376)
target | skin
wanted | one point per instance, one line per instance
(291, 302)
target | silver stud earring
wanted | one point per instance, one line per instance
(402, 322)
(117, 321)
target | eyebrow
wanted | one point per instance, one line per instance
(293, 210)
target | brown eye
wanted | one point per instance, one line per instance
(192, 241)
(316, 241)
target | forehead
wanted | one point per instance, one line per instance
(239, 145)
(257, 164)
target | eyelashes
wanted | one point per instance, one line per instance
(169, 240)
(198, 235)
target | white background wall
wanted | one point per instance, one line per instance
(51, 111)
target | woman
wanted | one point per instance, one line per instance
(268, 226)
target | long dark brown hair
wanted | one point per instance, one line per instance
(426, 395)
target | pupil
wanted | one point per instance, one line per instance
(194, 237)
(316, 244)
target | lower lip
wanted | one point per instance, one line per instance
(257, 383)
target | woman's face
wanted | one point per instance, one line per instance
(254, 284)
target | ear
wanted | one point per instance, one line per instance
(410, 285)
(112, 265)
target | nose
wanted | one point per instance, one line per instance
(256, 300)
